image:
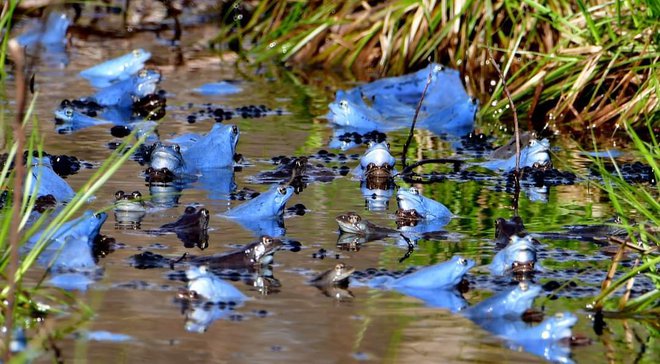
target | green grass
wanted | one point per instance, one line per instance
(643, 202)
(576, 66)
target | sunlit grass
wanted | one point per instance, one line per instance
(588, 64)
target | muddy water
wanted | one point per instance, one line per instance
(296, 322)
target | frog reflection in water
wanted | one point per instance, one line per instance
(191, 228)
(129, 209)
(253, 255)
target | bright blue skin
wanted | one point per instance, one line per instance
(510, 304)
(541, 340)
(117, 69)
(218, 88)
(350, 111)
(448, 299)
(446, 109)
(196, 154)
(48, 181)
(445, 87)
(52, 39)
(123, 93)
(54, 32)
(215, 149)
(520, 250)
(85, 227)
(456, 119)
(212, 288)
(429, 209)
(445, 275)
(377, 199)
(73, 120)
(69, 254)
(535, 152)
(268, 205)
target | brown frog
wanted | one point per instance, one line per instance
(337, 276)
(191, 228)
(352, 223)
(259, 253)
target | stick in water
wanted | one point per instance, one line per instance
(516, 174)
(414, 121)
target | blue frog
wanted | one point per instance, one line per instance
(68, 120)
(412, 205)
(377, 162)
(267, 205)
(445, 275)
(518, 256)
(52, 38)
(117, 69)
(196, 154)
(42, 180)
(122, 94)
(534, 154)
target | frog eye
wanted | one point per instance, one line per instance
(177, 148)
(371, 144)
(136, 195)
(281, 190)
(143, 73)
(414, 191)
(234, 129)
(119, 194)
(340, 266)
(68, 112)
(462, 261)
(343, 104)
(205, 212)
(371, 165)
(354, 218)
(137, 52)
(267, 240)
(190, 210)
(532, 142)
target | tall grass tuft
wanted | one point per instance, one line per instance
(580, 64)
(643, 201)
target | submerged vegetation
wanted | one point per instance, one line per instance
(576, 65)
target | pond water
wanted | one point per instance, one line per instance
(293, 321)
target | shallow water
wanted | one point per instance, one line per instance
(296, 322)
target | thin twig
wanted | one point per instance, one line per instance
(610, 274)
(411, 248)
(515, 126)
(414, 121)
(626, 296)
(18, 54)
